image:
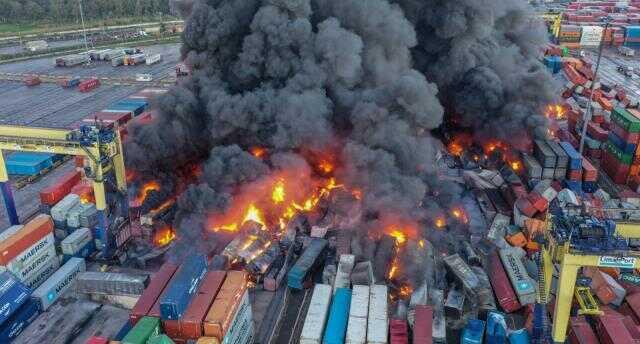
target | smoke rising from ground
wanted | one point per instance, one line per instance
(363, 80)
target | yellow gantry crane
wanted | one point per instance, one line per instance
(102, 145)
(570, 261)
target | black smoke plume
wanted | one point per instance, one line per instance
(365, 80)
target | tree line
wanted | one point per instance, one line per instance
(67, 11)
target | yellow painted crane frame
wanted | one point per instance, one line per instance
(103, 158)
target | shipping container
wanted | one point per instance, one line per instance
(496, 331)
(59, 282)
(377, 324)
(182, 287)
(229, 307)
(562, 159)
(611, 330)
(207, 340)
(462, 272)
(423, 326)
(111, 283)
(15, 325)
(13, 294)
(306, 263)
(343, 274)
(52, 194)
(97, 340)
(153, 59)
(27, 163)
(146, 328)
(191, 325)
(398, 331)
(338, 317)
(522, 284)
(580, 332)
(317, 314)
(26, 272)
(161, 339)
(625, 120)
(473, 333)
(544, 154)
(43, 273)
(76, 241)
(505, 294)
(358, 313)
(88, 85)
(61, 209)
(153, 291)
(19, 240)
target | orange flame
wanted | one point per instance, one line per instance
(556, 111)
(400, 237)
(459, 214)
(163, 236)
(278, 192)
(516, 165)
(258, 152)
(440, 222)
(326, 166)
(254, 214)
(145, 189)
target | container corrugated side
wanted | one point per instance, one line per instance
(378, 322)
(522, 284)
(24, 238)
(13, 294)
(338, 317)
(182, 287)
(191, 323)
(14, 326)
(111, 283)
(146, 328)
(27, 256)
(240, 329)
(225, 306)
(343, 275)
(358, 314)
(316, 318)
(43, 273)
(59, 282)
(76, 241)
(60, 210)
(41, 260)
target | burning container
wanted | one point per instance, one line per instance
(145, 329)
(54, 193)
(182, 287)
(230, 319)
(153, 291)
(59, 282)
(316, 317)
(305, 263)
(13, 294)
(338, 317)
(111, 283)
(25, 315)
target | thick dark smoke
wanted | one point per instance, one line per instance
(364, 80)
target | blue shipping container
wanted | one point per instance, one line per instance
(617, 141)
(183, 285)
(338, 317)
(25, 163)
(19, 321)
(473, 332)
(520, 336)
(496, 328)
(298, 273)
(13, 294)
(575, 159)
(123, 331)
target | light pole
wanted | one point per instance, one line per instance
(84, 30)
(588, 114)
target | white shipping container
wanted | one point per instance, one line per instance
(153, 59)
(60, 210)
(73, 216)
(41, 259)
(242, 324)
(76, 241)
(58, 283)
(358, 313)
(316, 317)
(45, 272)
(343, 275)
(30, 254)
(377, 326)
(591, 36)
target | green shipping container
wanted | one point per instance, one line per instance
(626, 120)
(146, 328)
(565, 52)
(620, 155)
(161, 339)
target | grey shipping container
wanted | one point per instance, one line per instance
(562, 159)
(76, 241)
(89, 216)
(544, 154)
(60, 210)
(59, 282)
(111, 283)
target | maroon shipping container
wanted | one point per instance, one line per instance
(580, 332)
(398, 332)
(589, 172)
(633, 301)
(171, 328)
(150, 295)
(525, 206)
(502, 286)
(31, 80)
(88, 85)
(97, 340)
(631, 326)
(626, 136)
(109, 117)
(617, 171)
(539, 203)
(611, 330)
(422, 329)
(52, 194)
(191, 322)
(596, 132)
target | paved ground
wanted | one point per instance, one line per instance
(15, 49)
(608, 70)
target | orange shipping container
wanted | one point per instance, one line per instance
(225, 306)
(517, 239)
(208, 340)
(32, 231)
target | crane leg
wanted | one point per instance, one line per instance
(564, 298)
(9, 203)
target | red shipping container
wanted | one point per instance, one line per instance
(593, 153)
(538, 202)
(589, 172)
(97, 340)
(611, 330)
(617, 171)
(88, 85)
(398, 331)
(626, 136)
(79, 161)
(631, 326)
(151, 294)
(52, 194)
(121, 118)
(422, 329)
(626, 310)
(191, 323)
(596, 132)
(580, 332)
(633, 301)
(574, 175)
(525, 206)
(605, 103)
(32, 231)
(501, 284)
(172, 328)
(144, 118)
(31, 80)
(84, 189)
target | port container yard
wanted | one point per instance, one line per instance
(537, 243)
